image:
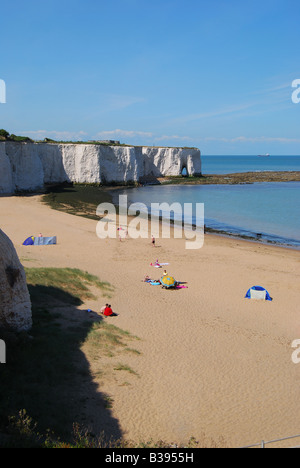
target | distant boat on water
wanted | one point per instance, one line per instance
(264, 155)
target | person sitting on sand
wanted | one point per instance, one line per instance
(165, 273)
(108, 312)
(103, 309)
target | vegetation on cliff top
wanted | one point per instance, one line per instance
(5, 136)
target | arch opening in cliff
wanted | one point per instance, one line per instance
(184, 171)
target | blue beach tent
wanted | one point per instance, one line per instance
(29, 241)
(258, 292)
(40, 240)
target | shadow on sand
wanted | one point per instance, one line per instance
(48, 375)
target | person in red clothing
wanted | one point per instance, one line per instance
(108, 312)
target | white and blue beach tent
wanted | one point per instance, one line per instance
(258, 292)
(32, 240)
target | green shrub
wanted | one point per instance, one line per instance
(3, 133)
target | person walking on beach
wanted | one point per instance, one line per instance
(153, 241)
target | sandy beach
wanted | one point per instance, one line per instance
(212, 362)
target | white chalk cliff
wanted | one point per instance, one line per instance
(15, 304)
(29, 166)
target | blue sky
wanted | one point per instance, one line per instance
(215, 74)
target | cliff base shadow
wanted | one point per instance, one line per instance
(47, 375)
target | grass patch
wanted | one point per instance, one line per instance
(133, 351)
(105, 339)
(73, 284)
(125, 367)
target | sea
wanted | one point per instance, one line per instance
(234, 164)
(267, 212)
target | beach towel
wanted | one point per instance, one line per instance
(158, 265)
(45, 240)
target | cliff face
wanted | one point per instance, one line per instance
(28, 166)
(15, 305)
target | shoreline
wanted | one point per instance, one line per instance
(87, 197)
(232, 231)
